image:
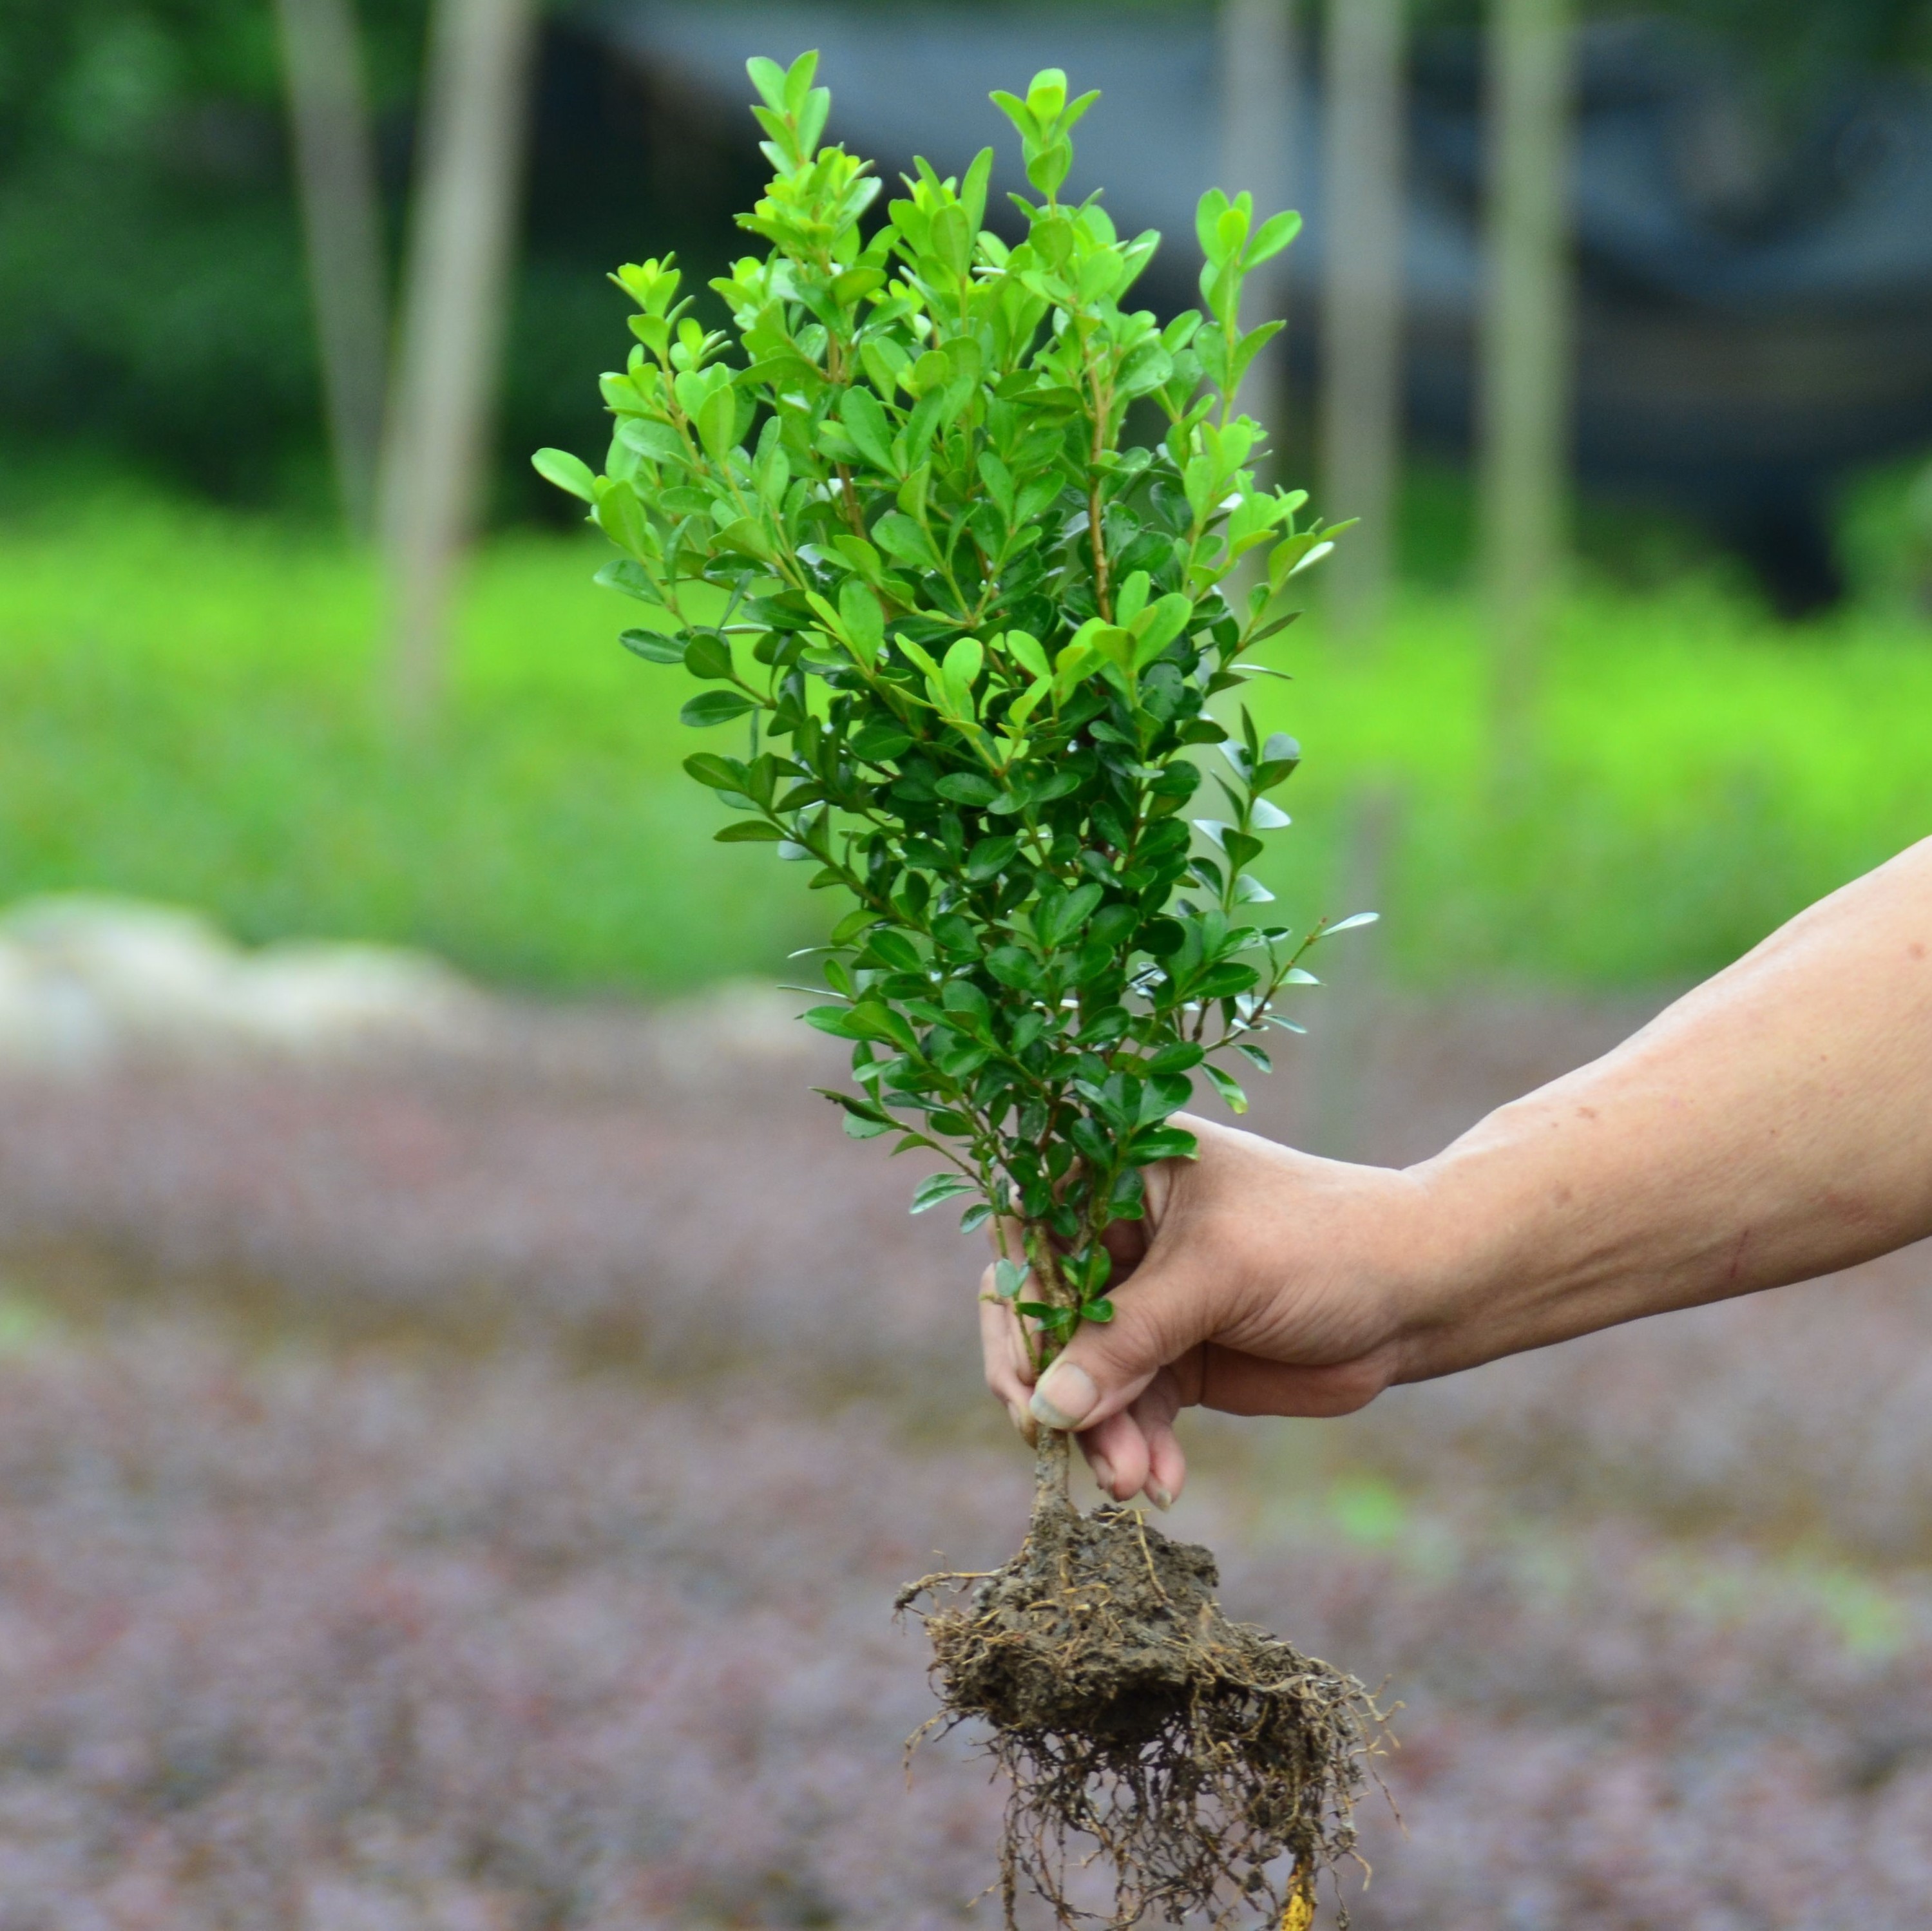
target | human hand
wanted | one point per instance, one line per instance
(1262, 1280)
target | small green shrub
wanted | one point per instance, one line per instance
(971, 635)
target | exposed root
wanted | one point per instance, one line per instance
(1209, 1765)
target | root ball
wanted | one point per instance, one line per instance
(1212, 1766)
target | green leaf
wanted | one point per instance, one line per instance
(768, 78)
(1159, 625)
(714, 707)
(1223, 981)
(1162, 1143)
(1009, 1277)
(1269, 240)
(1054, 1320)
(717, 421)
(622, 573)
(1182, 1056)
(1011, 966)
(961, 672)
(896, 950)
(721, 774)
(1056, 920)
(1228, 1088)
(990, 856)
(865, 621)
(964, 1001)
(708, 656)
(937, 1188)
(879, 744)
(569, 472)
(1348, 924)
(967, 788)
(864, 420)
(748, 831)
(652, 645)
(1102, 1311)
(868, 1020)
(898, 536)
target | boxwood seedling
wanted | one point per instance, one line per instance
(967, 629)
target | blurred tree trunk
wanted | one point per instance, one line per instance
(436, 453)
(1364, 158)
(335, 176)
(1524, 384)
(1340, 1059)
(1261, 93)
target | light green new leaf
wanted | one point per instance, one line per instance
(569, 472)
(1228, 1088)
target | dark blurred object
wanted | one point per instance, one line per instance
(1752, 311)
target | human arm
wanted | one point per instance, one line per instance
(1774, 1124)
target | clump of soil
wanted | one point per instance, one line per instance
(1210, 1765)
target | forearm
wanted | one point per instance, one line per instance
(1774, 1125)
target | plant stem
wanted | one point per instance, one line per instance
(1052, 1459)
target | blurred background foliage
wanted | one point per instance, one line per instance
(186, 645)
(153, 309)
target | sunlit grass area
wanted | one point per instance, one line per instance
(188, 711)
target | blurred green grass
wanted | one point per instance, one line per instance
(186, 713)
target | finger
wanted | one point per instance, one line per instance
(1117, 1451)
(1002, 1354)
(1167, 1466)
(1163, 1466)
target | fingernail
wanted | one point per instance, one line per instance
(1159, 1496)
(1103, 1476)
(1018, 1416)
(1066, 1395)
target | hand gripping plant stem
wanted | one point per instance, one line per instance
(890, 523)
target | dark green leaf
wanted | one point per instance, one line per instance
(749, 832)
(938, 1187)
(708, 656)
(967, 788)
(1163, 1143)
(990, 856)
(721, 774)
(1181, 1057)
(716, 707)
(879, 744)
(896, 950)
(653, 645)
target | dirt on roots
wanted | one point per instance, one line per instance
(1210, 1767)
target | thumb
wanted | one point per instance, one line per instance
(1168, 1308)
